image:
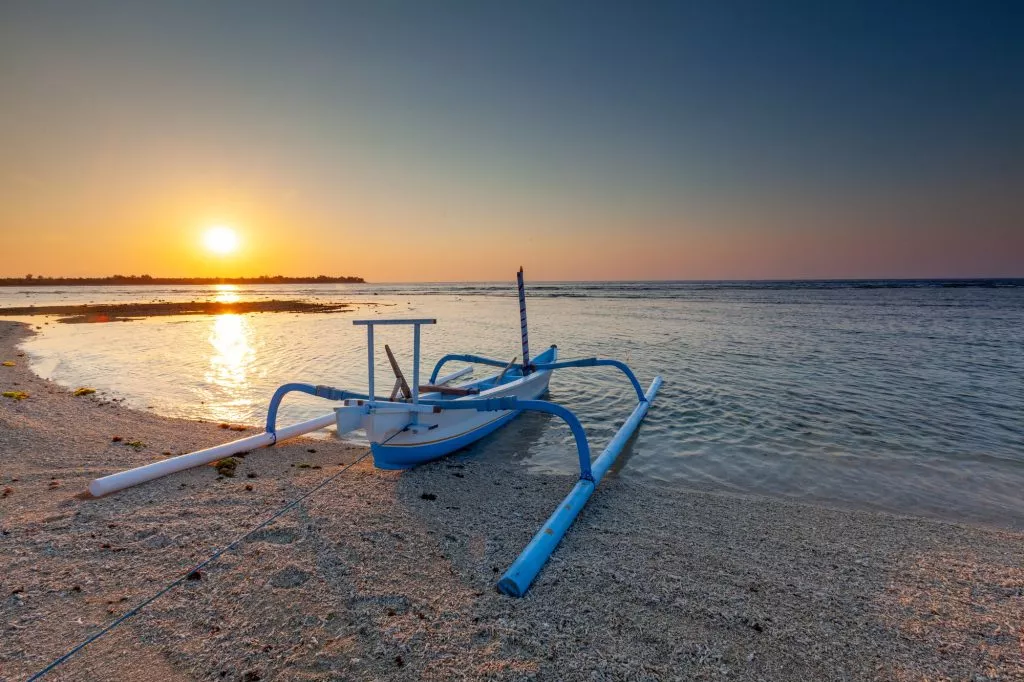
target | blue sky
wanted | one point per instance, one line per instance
(680, 123)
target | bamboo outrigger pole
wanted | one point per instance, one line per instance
(125, 479)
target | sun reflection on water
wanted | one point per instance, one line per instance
(225, 293)
(232, 361)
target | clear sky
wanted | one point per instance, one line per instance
(416, 140)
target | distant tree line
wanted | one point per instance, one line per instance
(37, 280)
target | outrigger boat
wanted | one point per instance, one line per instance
(402, 437)
(411, 427)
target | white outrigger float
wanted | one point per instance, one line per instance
(415, 426)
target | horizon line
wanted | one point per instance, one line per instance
(141, 279)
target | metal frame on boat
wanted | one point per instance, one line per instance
(432, 420)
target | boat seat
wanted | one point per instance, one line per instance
(448, 390)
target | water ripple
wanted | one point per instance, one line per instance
(899, 396)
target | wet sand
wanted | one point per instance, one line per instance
(386, 575)
(125, 312)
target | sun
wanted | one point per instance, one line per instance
(220, 239)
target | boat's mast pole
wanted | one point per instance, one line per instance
(522, 322)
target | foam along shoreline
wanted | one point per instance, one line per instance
(124, 312)
(388, 575)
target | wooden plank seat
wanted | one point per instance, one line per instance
(448, 390)
(402, 387)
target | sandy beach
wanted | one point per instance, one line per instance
(385, 575)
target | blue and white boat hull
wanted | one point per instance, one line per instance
(398, 445)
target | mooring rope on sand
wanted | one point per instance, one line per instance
(202, 564)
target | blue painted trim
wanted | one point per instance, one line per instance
(524, 569)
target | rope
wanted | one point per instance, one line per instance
(202, 564)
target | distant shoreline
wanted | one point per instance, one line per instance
(146, 280)
(125, 312)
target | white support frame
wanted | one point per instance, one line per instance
(416, 323)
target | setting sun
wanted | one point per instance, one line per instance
(221, 239)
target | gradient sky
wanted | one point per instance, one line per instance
(407, 141)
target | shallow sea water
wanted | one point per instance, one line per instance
(907, 397)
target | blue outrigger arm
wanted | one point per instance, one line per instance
(518, 578)
(327, 392)
(565, 364)
(464, 357)
(598, 362)
(512, 403)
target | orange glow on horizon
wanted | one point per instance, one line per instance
(424, 240)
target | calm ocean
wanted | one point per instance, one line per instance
(903, 396)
